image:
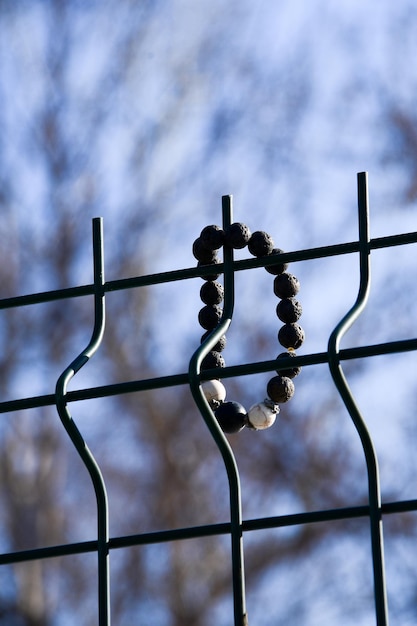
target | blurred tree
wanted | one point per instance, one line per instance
(108, 109)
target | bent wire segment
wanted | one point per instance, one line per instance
(340, 381)
(239, 601)
(75, 435)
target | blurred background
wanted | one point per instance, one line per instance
(146, 113)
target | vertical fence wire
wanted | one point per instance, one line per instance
(340, 381)
(236, 526)
(238, 576)
(75, 435)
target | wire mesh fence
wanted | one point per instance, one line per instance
(236, 527)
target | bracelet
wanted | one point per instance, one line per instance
(232, 416)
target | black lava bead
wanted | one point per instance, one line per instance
(203, 254)
(279, 268)
(291, 336)
(280, 389)
(286, 285)
(290, 372)
(220, 345)
(260, 243)
(211, 292)
(211, 360)
(237, 235)
(209, 277)
(231, 416)
(209, 316)
(212, 237)
(289, 310)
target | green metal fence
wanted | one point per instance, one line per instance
(236, 527)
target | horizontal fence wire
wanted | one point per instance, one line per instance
(236, 527)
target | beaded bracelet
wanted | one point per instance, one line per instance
(232, 416)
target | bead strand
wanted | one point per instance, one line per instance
(232, 416)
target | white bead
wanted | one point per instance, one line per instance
(214, 392)
(262, 415)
